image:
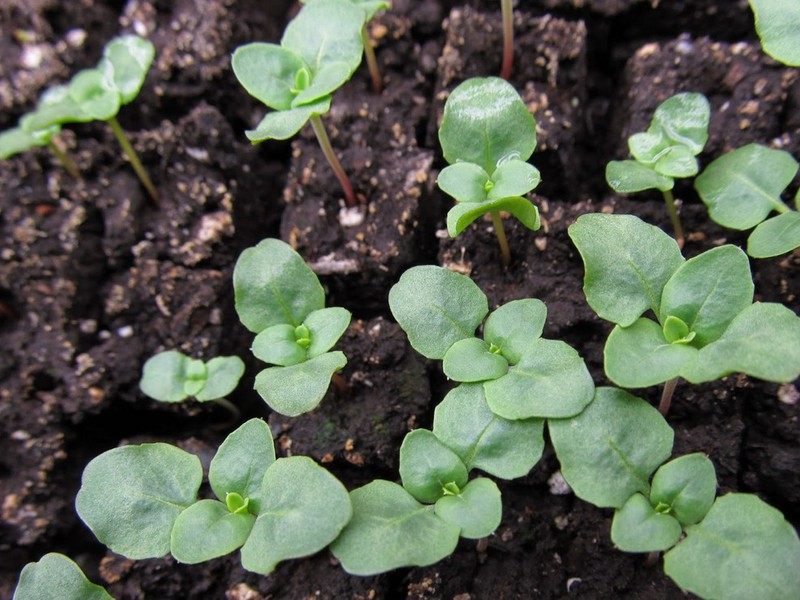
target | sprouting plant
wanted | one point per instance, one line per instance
(320, 50)
(280, 299)
(56, 576)
(522, 374)
(734, 546)
(141, 502)
(743, 187)
(507, 11)
(706, 323)
(97, 95)
(778, 26)
(667, 150)
(173, 377)
(487, 135)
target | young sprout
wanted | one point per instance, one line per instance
(487, 135)
(778, 27)
(56, 576)
(667, 150)
(320, 50)
(743, 187)
(507, 11)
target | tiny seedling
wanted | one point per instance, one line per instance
(141, 502)
(173, 377)
(667, 150)
(778, 27)
(320, 50)
(487, 135)
(507, 11)
(706, 324)
(743, 187)
(280, 299)
(56, 577)
(97, 95)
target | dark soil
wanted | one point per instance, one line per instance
(94, 279)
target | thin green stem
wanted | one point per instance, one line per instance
(666, 396)
(372, 62)
(508, 39)
(64, 159)
(230, 407)
(673, 215)
(500, 232)
(127, 148)
(327, 150)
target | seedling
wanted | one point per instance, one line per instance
(706, 323)
(507, 11)
(56, 576)
(173, 377)
(320, 50)
(522, 374)
(778, 26)
(743, 187)
(280, 299)
(487, 134)
(141, 501)
(667, 150)
(97, 95)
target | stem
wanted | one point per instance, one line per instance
(652, 558)
(508, 39)
(134, 158)
(497, 221)
(230, 407)
(64, 159)
(673, 215)
(341, 385)
(327, 150)
(372, 62)
(666, 396)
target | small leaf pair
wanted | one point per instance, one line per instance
(279, 298)
(173, 377)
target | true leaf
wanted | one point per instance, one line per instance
(470, 360)
(638, 528)
(477, 510)
(684, 118)
(427, 466)
(207, 530)
(56, 577)
(775, 236)
(222, 377)
(326, 326)
(687, 485)
(515, 326)
(778, 26)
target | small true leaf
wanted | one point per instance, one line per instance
(688, 485)
(56, 577)
(637, 527)
(477, 510)
(515, 326)
(470, 360)
(326, 326)
(206, 530)
(427, 466)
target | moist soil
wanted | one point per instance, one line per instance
(95, 278)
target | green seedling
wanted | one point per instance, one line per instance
(735, 546)
(56, 577)
(173, 377)
(320, 50)
(280, 299)
(487, 134)
(507, 11)
(141, 502)
(666, 151)
(743, 187)
(778, 26)
(523, 375)
(706, 324)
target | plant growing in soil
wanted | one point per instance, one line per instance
(141, 502)
(778, 27)
(507, 12)
(715, 546)
(56, 576)
(320, 50)
(487, 135)
(97, 95)
(743, 187)
(280, 299)
(676, 135)
(173, 377)
(706, 323)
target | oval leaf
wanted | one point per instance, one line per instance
(515, 326)
(513, 178)
(208, 530)
(267, 72)
(775, 236)
(277, 345)
(684, 119)
(283, 124)
(326, 325)
(629, 176)
(125, 63)
(466, 182)
(477, 510)
(164, 375)
(56, 577)
(778, 26)
(427, 466)
(223, 375)
(688, 485)
(470, 361)
(638, 528)
(461, 215)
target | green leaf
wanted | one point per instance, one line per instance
(470, 360)
(125, 63)
(164, 375)
(684, 119)
(466, 182)
(273, 285)
(477, 510)
(608, 452)
(208, 530)
(278, 345)
(482, 440)
(687, 485)
(427, 466)
(95, 95)
(304, 508)
(295, 390)
(638, 528)
(742, 187)
(16, 140)
(708, 291)
(628, 263)
(647, 147)
(130, 496)
(775, 236)
(485, 122)
(462, 214)
(267, 72)
(629, 176)
(241, 462)
(283, 124)
(742, 549)
(778, 26)
(677, 161)
(515, 326)
(513, 178)
(436, 308)
(56, 577)
(389, 530)
(326, 325)
(325, 81)
(223, 375)
(195, 376)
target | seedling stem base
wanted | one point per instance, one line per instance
(673, 215)
(327, 150)
(127, 148)
(500, 231)
(666, 396)
(64, 159)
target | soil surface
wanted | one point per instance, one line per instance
(94, 278)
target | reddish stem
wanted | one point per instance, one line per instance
(508, 39)
(327, 150)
